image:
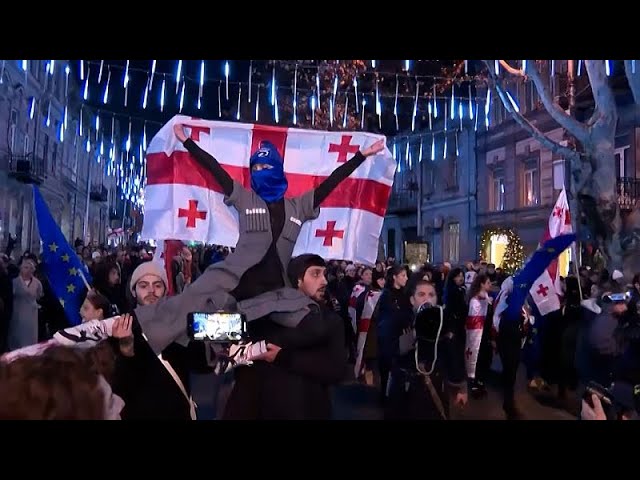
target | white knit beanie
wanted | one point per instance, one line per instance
(148, 268)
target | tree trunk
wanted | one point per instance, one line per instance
(601, 189)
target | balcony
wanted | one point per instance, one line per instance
(628, 193)
(99, 193)
(404, 200)
(26, 168)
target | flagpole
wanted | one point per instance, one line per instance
(84, 279)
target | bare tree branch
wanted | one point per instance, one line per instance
(552, 145)
(633, 79)
(513, 71)
(602, 95)
(574, 127)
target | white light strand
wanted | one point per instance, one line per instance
(162, 95)
(553, 68)
(430, 110)
(226, 79)
(146, 93)
(80, 124)
(607, 66)
(32, 108)
(487, 107)
(105, 96)
(364, 104)
(435, 102)
(579, 67)
(295, 96)
(313, 110)
(475, 126)
(100, 71)
(85, 94)
(470, 104)
(153, 72)
(273, 86)
(453, 104)
(457, 147)
(81, 70)
(178, 75)
(346, 110)
(395, 104)
(420, 152)
(219, 100)
(460, 113)
(446, 106)
(415, 107)
(250, 76)
(444, 151)
(182, 97)
(201, 88)
(239, 98)
(355, 88)
(257, 103)
(67, 70)
(433, 148)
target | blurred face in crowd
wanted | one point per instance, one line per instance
(343, 264)
(491, 269)
(149, 290)
(88, 312)
(313, 283)
(186, 254)
(120, 256)
(459, 279)
(380, 281)
(27, 268)
(350, 271)
(380, 267)
(114, 276)
(486, 286)
(366, 276)
(400, 280)
(424, 294)
(86, 253)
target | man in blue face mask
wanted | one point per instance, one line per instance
(267, 173)
(269, 225)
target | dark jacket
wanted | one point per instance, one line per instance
(147, 388)
(395, 314)
(297, 385)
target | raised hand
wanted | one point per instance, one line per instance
(377, 147)
(178, 129)
(122, 330)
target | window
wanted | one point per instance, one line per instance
(531, 186)
(391, 242)
(497, 193)
(454, 242)
(26, 144)
(558, 174)
(623, 167)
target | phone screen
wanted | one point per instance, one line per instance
(217, 327)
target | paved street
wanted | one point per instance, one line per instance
(353, 401)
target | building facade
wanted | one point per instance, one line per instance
(67, 167)
(519, 180)
(432, 210)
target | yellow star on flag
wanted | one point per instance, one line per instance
(73, 271)
(53, 247)
(71, 288)
(65, 257)
(61, 302)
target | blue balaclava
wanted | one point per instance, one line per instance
(269, 183)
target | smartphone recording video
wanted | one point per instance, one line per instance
(221, 327)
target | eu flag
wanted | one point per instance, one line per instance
(64, 269)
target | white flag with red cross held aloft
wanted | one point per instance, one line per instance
(184, 202)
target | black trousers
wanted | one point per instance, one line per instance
(509, 348)
(410, 398)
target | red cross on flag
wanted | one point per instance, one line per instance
(546, 290)
(184, 202)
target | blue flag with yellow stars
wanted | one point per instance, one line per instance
(65, 271)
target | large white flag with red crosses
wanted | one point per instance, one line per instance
(182, 200)
(547, 289)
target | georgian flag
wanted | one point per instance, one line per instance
(182, 200)
(546, 289)
(363, 327)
